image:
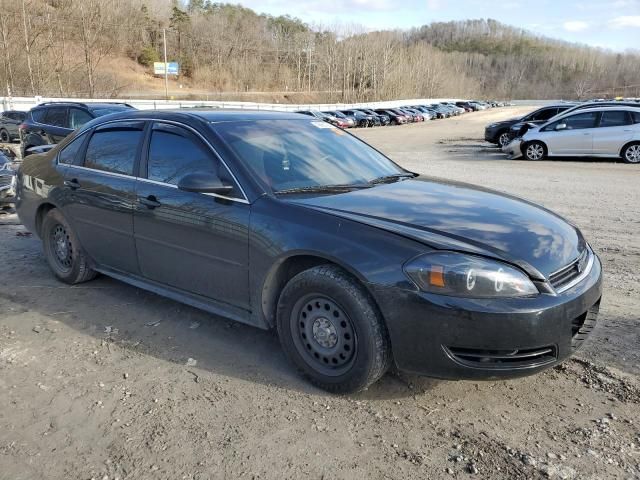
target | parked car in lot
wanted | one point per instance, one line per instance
(501, 133)
(610, 132)
(9, 122)
(362, 119)
(283, 222)
(338, 122)
(51, 122)
(382, 118)
(396, 118)
(350, 121)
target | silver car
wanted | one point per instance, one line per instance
(610, 132)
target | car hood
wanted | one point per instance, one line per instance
(505, 122)
(456, 216)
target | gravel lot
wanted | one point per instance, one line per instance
(105, 381)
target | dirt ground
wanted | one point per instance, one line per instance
(106, 381)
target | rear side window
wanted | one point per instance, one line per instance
(175, 152)
(113, 150)
(636, 117)
(56, 116)
(69, 153)
(615, 119)
(38, 115)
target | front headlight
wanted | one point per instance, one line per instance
(456, 274)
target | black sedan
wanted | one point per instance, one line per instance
(285, 222)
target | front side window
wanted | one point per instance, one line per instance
(175, 152)
(56, 116)
(615, 119)
(78, 117)
(545, 114)
(575, 122)
(291, 154)
(113, 150)
(636, 117)
(69, 153)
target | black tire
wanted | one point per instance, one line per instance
(63, 251)
(631, 153)
(4, 136)
(503, 139)
(325, 304)
(535, 151)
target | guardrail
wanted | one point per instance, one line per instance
(26, 103)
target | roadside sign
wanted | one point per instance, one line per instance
(173, 68)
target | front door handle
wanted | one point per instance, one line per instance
(150, 201)
(72, 184)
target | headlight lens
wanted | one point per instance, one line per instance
(456, 274)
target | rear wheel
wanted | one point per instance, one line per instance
(631, 153)
(332, 331)
(4, 136)
(62, 249)
(535, 150)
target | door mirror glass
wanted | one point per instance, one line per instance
(561, 126)
(204, 183)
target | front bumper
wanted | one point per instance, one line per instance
(513, 149)
(485, 339)
(491, 134)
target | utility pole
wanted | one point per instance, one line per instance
(166, 66)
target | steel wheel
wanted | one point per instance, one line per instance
(503, 139)
(535, 151)
(632, 154)
(323, 334)
(61, 247)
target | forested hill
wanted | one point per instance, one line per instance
(107, 48)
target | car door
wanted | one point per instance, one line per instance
(613, 132)
(196, 242)
(100, 194)
(576, 138)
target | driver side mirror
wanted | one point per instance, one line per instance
(204, 183)
(561, 126)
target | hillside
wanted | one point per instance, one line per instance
(103, 48)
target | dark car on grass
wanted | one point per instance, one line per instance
(283, 222)
(10, 120)
(50, 122)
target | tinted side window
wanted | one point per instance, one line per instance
(78, 117)
(56, 116)
(636, 117)
(545, 114)
(614, 119)
(113, 150)
(581, 120)
(175, 152)
(38, 115)
(69, 153)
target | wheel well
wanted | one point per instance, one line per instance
(544, 145)
(280, 274)
(628, 144)
(40, 214)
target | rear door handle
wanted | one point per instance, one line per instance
(150, 201)
(73, 183)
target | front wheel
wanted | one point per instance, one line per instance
(63, 251)
(504, 139)
(330, 328)
(631, 153)
(4, 136)
(535, 151)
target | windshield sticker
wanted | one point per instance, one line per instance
(322, 125)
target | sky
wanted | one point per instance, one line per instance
(612, 24)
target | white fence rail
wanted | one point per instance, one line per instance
(26, 103)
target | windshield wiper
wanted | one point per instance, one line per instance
(391, 178)
(324, 188)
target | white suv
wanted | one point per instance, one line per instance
(610, 132)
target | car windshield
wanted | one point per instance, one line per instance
(301, 154)
(100, 111)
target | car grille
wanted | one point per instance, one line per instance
(583, 325)
(501, 359)
(567, 274)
